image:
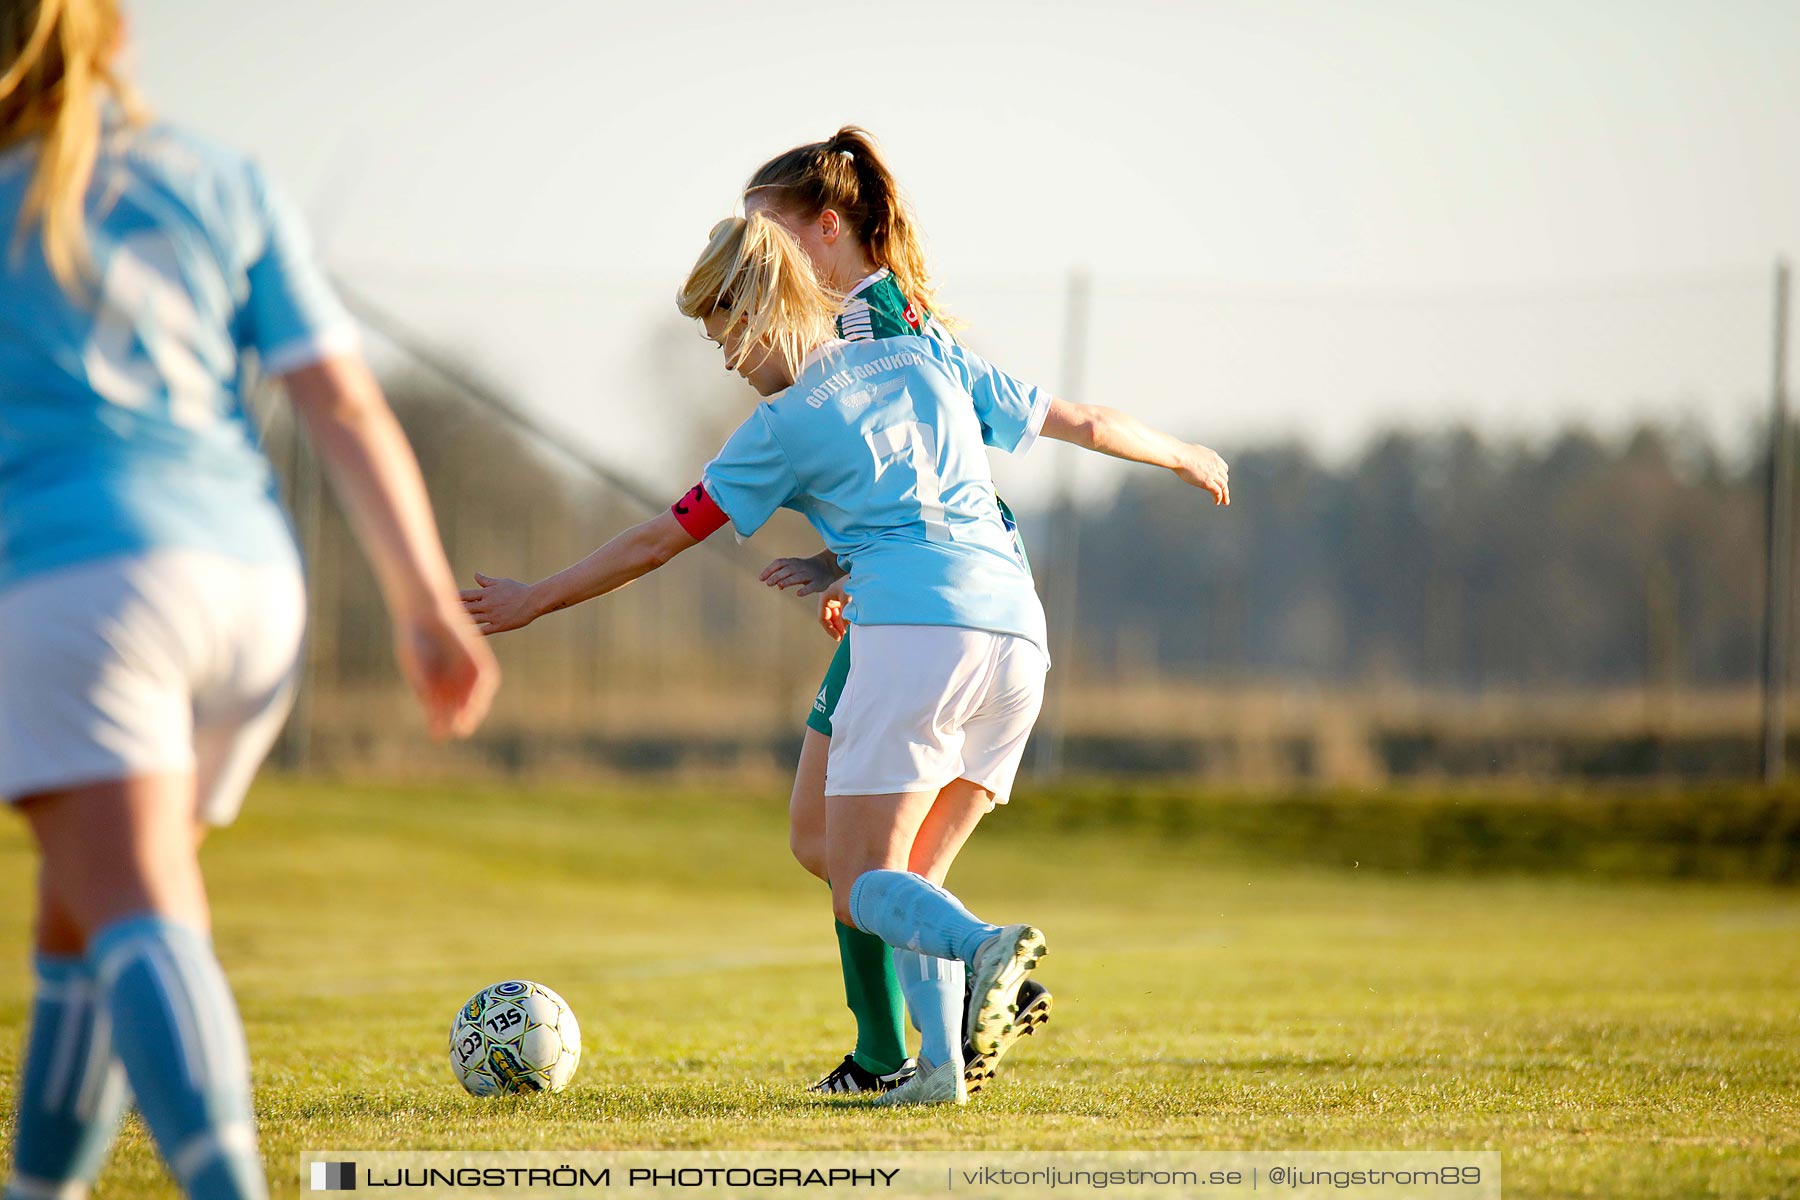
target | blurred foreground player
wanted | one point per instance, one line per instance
(151, 603)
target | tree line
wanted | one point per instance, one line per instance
(1438, 559)
(1441, 559)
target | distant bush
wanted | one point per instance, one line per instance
(1743, 833)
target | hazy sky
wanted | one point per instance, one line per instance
(1308, 219)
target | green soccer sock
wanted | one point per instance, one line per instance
(872, 990)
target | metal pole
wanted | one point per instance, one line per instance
(1062, 588)
(1779, 556)
(304, 481)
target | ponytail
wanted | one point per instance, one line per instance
(55, 75)
(847, 173)
(753, 272)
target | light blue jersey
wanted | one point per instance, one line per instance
(122, 425)
(880, 446)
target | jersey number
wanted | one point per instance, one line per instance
(146, 335)
(915, 443)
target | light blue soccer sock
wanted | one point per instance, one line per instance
(177, 1031)
(72, 1089)
(910, 912)
(934, 997)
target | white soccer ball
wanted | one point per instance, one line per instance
(516, 1036)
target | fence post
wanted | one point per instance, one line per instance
(1779, 555)
(1062, 588)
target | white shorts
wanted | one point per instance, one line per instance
(170, 661)
(929, 704)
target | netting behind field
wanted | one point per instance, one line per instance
(685, 668)
(1496, 530)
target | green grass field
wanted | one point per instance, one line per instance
(1611, 1038)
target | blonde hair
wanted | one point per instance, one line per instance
(754, 272)
(55, 74)
(846, 173)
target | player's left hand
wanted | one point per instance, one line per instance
(498, 605)
(1204, 469)
(449, 668)
(831, 608)
(809, 574)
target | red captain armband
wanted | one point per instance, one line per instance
(699, 514)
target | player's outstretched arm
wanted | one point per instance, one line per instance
(497, 605)
(1121, 435)
(377, 479)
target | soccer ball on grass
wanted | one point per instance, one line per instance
(516, 1036)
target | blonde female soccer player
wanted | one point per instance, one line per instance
(150, 594)
(880, 445)
(845, 209)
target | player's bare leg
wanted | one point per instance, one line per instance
(871, 988)
(869, 842)
(122, 872)
(878, 833)
(959, 808)
(806, 805)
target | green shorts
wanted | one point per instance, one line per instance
(826, 702)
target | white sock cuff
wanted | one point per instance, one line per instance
(114, 947)
(199, 1151)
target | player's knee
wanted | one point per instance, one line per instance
(809, 851)
(58, 933)
(840, 904)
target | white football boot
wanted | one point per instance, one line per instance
(929, 1085)
(1001, 965)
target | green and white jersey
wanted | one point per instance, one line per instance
(877, 308)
